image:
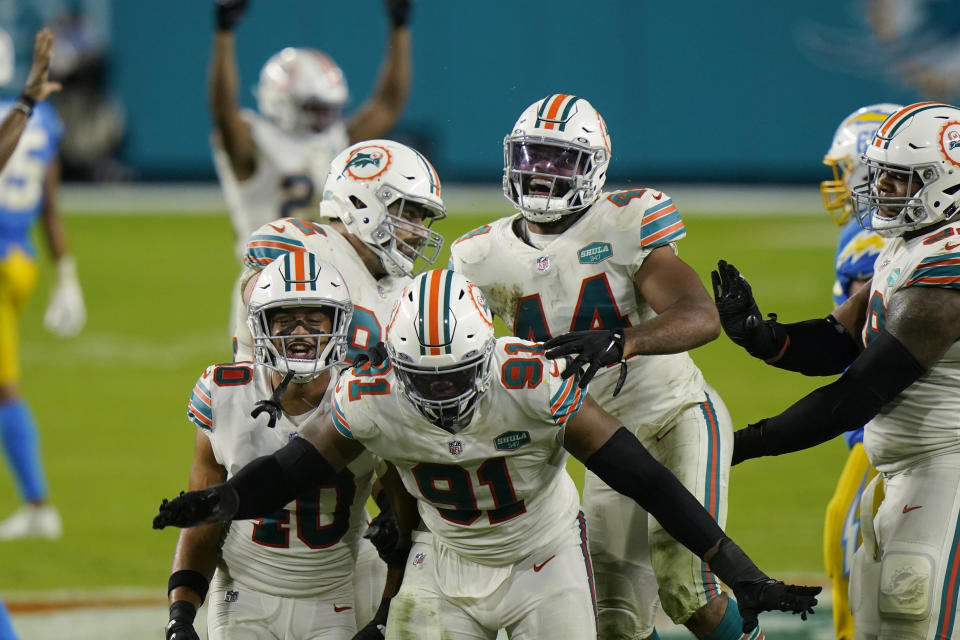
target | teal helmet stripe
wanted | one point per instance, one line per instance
(421, 317)
(287, 272)
(447, 329)
(566, 112)
(431, 172)
(313, 274)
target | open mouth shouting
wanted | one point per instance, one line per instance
(547, 187)
(300, 348)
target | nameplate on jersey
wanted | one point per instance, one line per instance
(595, 252)
(511, 440)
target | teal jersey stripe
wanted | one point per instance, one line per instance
(280, 239)
(339, 421)
(943, 257)
(260, 256)
(659, 207)
(571, 403)
(951, 586)
(667, 239)
(945, 271)
(195, 420)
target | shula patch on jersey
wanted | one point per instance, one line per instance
(511, 440)
(595, 252)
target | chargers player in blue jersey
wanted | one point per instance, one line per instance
(857, 250)
(28, 185)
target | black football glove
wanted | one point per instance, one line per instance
(376, 628)
(375, 355)
(399, 12)
(228, 13)
(772, 595)
(216, 503)
(180, 626)
(740, 317)
(754, 590)
(595, 348)
(383, 532)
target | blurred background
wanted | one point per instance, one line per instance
(729, 107)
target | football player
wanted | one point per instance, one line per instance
(29, 182)
(290, 574)
(272, 164)
(604, 266)
(380, 198)
(479, 429)
(857, 250)
(896, 344)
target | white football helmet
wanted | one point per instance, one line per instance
(301, 90)
(440, 341)
(555, 159)
(299, 279)
(7, 58)
(849, 142)
(918, 145)
(382, 191)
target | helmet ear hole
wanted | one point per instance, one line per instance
(357, 202)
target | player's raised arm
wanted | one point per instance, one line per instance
(37, 89)
(376, 117)
(613, 453)
(234, 131)
(685, 319)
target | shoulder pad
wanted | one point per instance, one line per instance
(286, 235)
(472, 246)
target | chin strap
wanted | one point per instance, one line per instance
(272, 406)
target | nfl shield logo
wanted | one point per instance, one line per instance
(381, 291)
(456, 447)
(543, 263)
(418, 559)
(231, 596)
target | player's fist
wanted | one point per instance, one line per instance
(216, 503)
(739, 315)
(399, 12)
(772, 595)
(229, 12)
(66, 313)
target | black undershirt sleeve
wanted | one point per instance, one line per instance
(268, 483)
(627, 467)
(875, 378)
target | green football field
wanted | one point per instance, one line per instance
(111, 402)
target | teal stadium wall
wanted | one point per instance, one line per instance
(691, 91)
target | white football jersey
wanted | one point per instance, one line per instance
(924, 420)
(584, 279)
(289, 176)
(372, 299)
(308, 547)
(496, 491)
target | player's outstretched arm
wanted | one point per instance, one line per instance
(376, 117)
(617, 457)
(921, 325)
(233, 131)
(686, 318)
(196, 553)
(265, 484)
(37, 89)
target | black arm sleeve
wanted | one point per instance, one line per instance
(875, 378)
(270, 482)
(816, 347)
(627, 467)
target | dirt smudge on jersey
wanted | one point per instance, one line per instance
(503, 299)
